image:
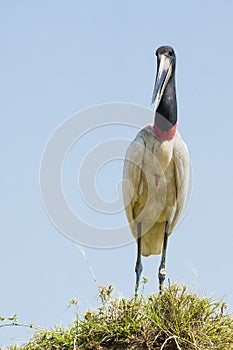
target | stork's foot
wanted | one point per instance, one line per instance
(162, 276)
(138, 267)
(138, 270)
(136, 290)
(162, 269)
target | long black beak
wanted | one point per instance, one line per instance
(164, 73)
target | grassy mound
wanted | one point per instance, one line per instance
(177, 319)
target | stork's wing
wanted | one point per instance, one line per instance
(182, 170)
(132, 175)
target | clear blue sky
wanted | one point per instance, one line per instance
(58, 58)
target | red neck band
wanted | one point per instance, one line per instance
(164, 135)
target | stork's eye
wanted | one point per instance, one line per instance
(170, 53)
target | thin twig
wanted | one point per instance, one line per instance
(172, 337)
(16, 324)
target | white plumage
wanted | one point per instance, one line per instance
(155, 186)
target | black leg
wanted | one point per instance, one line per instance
(138, 267)
(162, 267)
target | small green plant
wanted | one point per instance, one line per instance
(174, 320)
(73, 302)
(105, 293)
(13, 318)
(145, 280)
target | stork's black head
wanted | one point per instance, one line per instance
(169, 52)
(164, 94)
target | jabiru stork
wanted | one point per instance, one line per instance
(156, 171)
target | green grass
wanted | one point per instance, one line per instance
(176, 319)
